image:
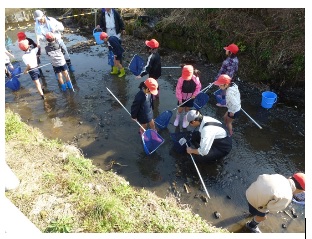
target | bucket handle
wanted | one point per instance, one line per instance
(97, 29)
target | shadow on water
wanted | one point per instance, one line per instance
(93, 120)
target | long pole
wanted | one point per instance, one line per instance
(199, 175)
(124, 107)
(251, 119)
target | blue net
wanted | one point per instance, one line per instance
(200, 100)
(13, 83)
(136, 65)
(110, 58)
(151, 141)
(220, 97)
(177, 147)
(163, 119)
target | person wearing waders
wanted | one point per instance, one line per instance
(117, 50)
(30, 60)
(56, 53)
(188, 87)
(153, 63)
(233, 101)
(211, 142)
(271, 193)
(22, 36)
(45, 24)
(229, 67)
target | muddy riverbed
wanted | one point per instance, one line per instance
(92, 119)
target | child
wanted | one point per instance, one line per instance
(229, 67)
(8, 67)
(233, 101)
(56, 53)
(30, 60)
(153, 64)
(22, 36)
(142, 106)
(117, 49)
(188, 86)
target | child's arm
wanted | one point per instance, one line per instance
(27, 69)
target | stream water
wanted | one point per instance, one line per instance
(93, 120)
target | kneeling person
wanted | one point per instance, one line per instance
(212, 140)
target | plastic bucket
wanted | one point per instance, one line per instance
(268, 99)
(96, 35)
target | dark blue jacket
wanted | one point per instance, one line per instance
(119, 25)
(142, 108)
(153, 66)
(115, 45)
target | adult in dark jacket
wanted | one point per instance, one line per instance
(111, 22)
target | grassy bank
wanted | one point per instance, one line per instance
(61, 191)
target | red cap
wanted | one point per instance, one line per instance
(152, 44)
(152, 85)
(103, 35)
(21, 36)
(50, 35)
(300, 178)
(187, 72)
(232, 48)
(222, 80)
(23, 45)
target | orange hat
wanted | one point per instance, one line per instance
(187, 72)
(103, 35)
(300, 178)
(21, 36)
(232, 48)
(222, 80)
(23, 45)
(152, 44)
(152, 85)
(50, 35)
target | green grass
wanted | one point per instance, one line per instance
(66, 193)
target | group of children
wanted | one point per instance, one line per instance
(187, 88)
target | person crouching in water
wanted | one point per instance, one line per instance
(116, 48)
(142, 106)
(30, 60)
(233, 101)
(56, 53)
(188, 87)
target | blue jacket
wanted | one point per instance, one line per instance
(142, 108)
(115, 45)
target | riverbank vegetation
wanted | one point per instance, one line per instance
(61, 191)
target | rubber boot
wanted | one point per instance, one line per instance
(63, 87)
(70, 66)
(122, 72)
(185, 122)
(69, 84)
(177, 120)
(115, 70)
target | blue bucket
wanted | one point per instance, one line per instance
(96, 34)
(268, 99)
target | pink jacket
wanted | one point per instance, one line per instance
(184, 96)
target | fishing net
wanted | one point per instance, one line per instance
(151, 141)
(110, 58)
(163, 119)
(136, 65)
(176, 137)
(200, 100)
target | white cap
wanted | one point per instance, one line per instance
(192, 115)
(38, 14)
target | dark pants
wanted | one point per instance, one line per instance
(219, 148)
